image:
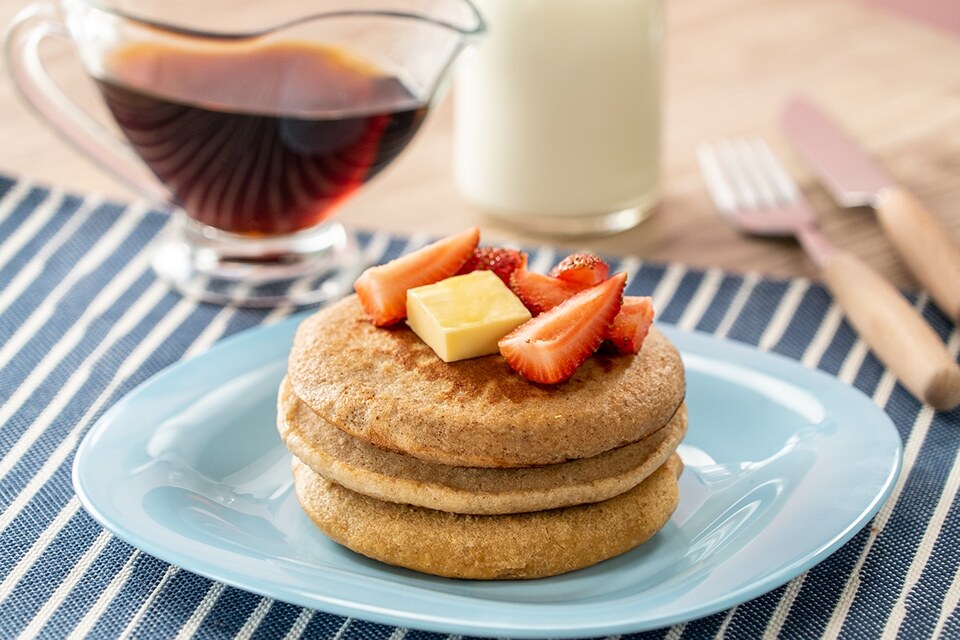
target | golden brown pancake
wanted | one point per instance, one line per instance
(364, 468)
(522, 545)
(387, 387)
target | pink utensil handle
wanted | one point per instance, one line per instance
(898, 335)
(931, 252)
(31, 26)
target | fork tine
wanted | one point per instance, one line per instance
(754, 174)
(736, 177)
(718, 184)
(785, 187)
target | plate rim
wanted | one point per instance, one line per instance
(690, 341)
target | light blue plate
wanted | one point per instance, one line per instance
(783, 465)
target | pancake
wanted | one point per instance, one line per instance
(387, 387)
(523, 545)
(362, 467)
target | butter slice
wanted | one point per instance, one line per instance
(464, 316)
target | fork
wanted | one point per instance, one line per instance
(755, 194)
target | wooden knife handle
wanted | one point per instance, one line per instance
(896, 332)
(929, 249)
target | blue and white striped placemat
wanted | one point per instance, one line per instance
(83, 321)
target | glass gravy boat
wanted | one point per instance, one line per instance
(257, 120)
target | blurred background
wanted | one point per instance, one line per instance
(887, 69)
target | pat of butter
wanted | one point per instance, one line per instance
(464, 316)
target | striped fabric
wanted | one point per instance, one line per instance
(83, 321)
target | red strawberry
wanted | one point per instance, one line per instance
(540, 293)
(501, 261)
(630, 327)
(383, 289)
(582, 268)
(549, 348)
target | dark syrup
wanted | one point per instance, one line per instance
(260, 142)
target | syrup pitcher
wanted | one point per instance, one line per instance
(257, 120)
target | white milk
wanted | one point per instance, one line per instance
(558, 114)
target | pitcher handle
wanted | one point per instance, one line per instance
(22, 42)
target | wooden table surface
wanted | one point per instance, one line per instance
(730, 67)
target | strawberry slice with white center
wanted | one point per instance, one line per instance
(549, 348)
(383, 289)
(630, 327)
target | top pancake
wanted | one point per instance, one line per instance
(387, 387)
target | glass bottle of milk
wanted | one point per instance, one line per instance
(557, 114)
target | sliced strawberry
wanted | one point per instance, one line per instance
(540, 293)
(500, 260)
(383, 289)
(630, 327)
(549, 348)
(582, 268)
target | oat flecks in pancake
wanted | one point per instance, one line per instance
(396, 477)
(387, 387)
(525, 545)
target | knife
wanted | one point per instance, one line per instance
(855, 181)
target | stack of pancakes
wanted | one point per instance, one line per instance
(467, 470)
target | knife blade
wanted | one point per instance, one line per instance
(853, 179)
